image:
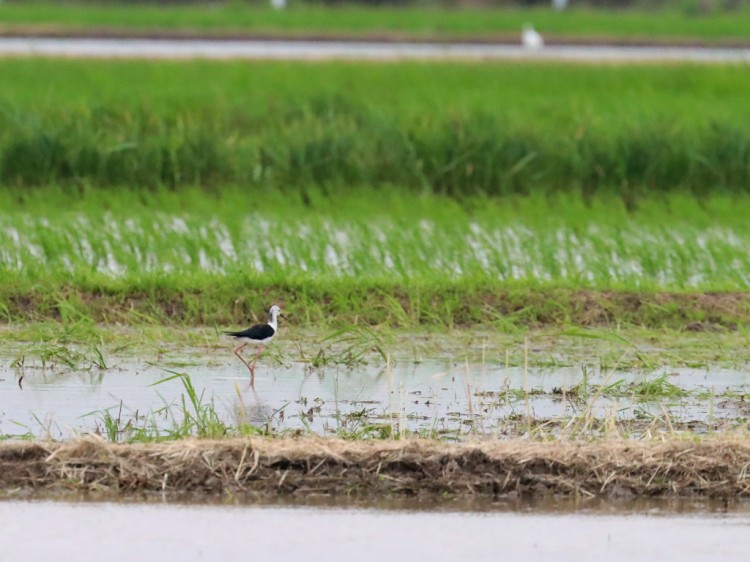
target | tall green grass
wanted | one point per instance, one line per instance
(459, 130)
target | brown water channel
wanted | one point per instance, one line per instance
(125, 532)
(436, 396)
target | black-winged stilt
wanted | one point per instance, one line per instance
(258, 336)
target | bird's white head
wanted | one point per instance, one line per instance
(274, 313)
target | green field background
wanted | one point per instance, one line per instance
(409, 194)
(459, 130)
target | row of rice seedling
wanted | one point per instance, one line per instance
(537, 135)
(718, 20)
(539, 241)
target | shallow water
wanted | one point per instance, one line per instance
(114, 532)
(319, 50)
(437, 396)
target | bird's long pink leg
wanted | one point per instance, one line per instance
(237, 353)
(260, 349)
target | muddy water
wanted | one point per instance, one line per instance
(114, 532)
(429, 396)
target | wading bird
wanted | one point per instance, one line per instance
(259, 336)
(530, 38)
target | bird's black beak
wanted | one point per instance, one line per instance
(284, 317)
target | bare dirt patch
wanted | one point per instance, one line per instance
(710, 468)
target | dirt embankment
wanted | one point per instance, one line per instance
(376, 305)
(711, 468)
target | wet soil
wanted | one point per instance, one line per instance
(713, 468)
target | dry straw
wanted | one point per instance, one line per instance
(713, 467)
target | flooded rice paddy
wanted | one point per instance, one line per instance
(161, 243)
(154, 395)
(41, 530)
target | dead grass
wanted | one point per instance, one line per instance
(713, 467)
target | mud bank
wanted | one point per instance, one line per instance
(368, 304)
(713, 468)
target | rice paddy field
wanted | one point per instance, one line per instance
(478, 262)
(396, 251)
(367, 193)
(680, 22)
(448, 129)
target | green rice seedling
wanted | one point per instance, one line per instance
(350, 347)
(657, 388)
(57, 354)
(614, 337)
(583, 390)
(98, 356)
(360, 424)
(112, 429)
(198, 417)
(152, 250)
(27, 435)
(112, 425)
(58, 351)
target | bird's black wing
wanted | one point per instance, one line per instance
(257, 332)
